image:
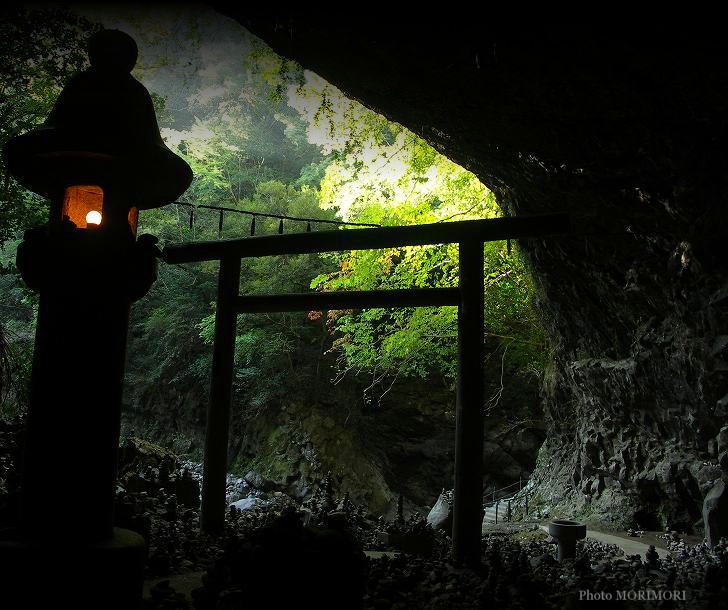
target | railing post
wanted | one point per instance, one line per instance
(526, 504)
(212, 517)
(508, 513)
(467, 505)
(496, 512)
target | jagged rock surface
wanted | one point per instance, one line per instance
(403, 445)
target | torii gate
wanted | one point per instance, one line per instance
(468, 297)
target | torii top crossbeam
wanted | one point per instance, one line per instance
(492, 229)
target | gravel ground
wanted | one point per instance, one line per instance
(268, 557)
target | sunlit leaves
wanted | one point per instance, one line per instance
(383, 173)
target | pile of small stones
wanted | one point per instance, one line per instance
(162, 596)
(10, 430)
(673, 540)
(635, 533)
(162, 504)
(514, 574)
(526, 575)
(285, 564)
(318, 547)
(597, 551)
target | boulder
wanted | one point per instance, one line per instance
(258, 481)
(299, 489)
(440, 516)
(254, 479)
(246, 503)
(136, 453)
(722, 440)
(236, 489)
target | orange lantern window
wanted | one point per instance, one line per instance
(83, 205)
(133, 218)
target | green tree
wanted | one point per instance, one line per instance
(174, 324)
(380, 172)
(40, 47)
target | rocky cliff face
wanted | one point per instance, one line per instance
(634, 398)
(626, 131)
(403, 446)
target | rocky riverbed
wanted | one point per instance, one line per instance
(276, 551)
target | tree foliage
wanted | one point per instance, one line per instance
(40, 47)
(383, 173)
(262, 135)
(177, 316)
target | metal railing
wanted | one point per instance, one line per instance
(222, 210)
(508, 494)
(499, 492)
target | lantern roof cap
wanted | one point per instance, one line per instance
(112, 50)
(102, 130)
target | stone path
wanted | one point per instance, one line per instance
(628, 545)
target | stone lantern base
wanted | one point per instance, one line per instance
(64, 572)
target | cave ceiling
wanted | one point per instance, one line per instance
(629, 107)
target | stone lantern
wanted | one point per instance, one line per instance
(99, 159)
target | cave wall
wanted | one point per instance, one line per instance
(625, 129)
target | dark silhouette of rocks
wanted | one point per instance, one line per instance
(715, 507)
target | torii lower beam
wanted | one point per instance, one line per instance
(470, 235)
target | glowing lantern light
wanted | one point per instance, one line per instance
(93, 218)
(82, 205)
